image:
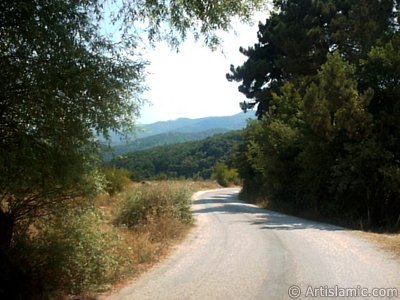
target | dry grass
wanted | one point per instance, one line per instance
(203, 185)
(389, 242)
(194, 186)
(149, 244)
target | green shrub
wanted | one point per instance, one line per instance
(69, 254)
(225, 176)
(116, 179)
(140, 206)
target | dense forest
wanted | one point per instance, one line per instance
(325, 79)
(195, 159)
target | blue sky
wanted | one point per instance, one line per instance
(192, 83)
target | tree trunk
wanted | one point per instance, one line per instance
(368, 209)
(6, 230)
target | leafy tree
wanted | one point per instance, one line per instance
(273, 144)
(334, 105)
(62, 80)
(172, 20)
(295, 39)
(224, 175)
(249, 173)
(381, 73)
(324, 76)
(336, 114)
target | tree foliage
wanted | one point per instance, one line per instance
(63, 81)
(60, 82)
(187, 160)
(325, 78)
(173, 20)
(224, 175)
(294, 41)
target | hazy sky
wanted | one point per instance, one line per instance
(192, 83)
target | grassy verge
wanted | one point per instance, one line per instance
(149, 218)
(67, 252)
(86, 247)
(389, 242)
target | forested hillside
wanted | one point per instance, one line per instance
(194, 159)
(186, 125)
(180, 130)
(325, 79)
(162, 139)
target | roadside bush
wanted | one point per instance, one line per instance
(116, 179)
(225, 176)
(69, 253)
(158, 201)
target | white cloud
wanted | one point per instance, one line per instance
(192, 83)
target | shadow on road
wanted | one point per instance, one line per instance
(229, 203)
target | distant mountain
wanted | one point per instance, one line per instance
(162, 139)
(176, 131)
(186, 125)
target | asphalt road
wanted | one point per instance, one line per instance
(239, 251)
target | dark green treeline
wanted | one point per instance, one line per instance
(183, 160)
(325, 79)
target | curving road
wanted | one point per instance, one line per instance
(239, 251)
